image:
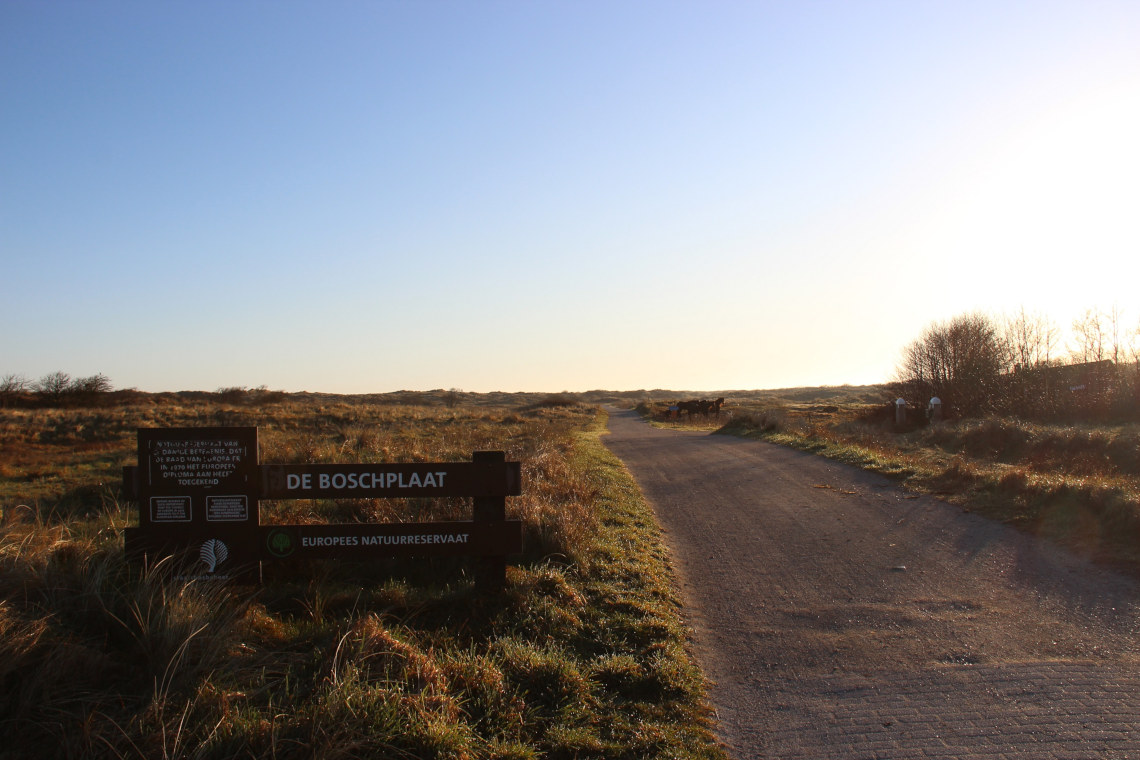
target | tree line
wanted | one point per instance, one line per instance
(977, 364)
(54, 389)
(61, 390)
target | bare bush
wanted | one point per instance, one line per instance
(977, 367)
(95, 384)
(59, 389)
(961, 361)
(13, 384)
(557, 399)
(12, 387)
(52, 387)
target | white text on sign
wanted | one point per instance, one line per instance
(363, 480)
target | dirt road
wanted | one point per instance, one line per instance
(840, 617)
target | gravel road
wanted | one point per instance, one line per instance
(839, 616)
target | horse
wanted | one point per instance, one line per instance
(689, 407)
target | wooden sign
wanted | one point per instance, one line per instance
(197, 476)
(391, 539)
(198, 492)
(372, 481)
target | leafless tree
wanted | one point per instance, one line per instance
(1031, 339)
(1099, 335)
(53, 387)
(11, 386)
(962, 361)
(1091, 332)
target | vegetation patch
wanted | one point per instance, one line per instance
(584, 654)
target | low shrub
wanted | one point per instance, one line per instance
(774, 420)
(557, 400)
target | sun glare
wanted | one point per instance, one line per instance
(1047, 210)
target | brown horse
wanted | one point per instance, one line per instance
(702, 407)
(689, 407)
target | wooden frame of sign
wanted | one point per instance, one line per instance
(198, 493)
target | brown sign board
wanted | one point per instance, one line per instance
(280, 543)
(194, 486)
(371, 481)
(198, 493)
(197, 476)
(441, 539)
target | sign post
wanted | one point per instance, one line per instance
(198, 491)
(490, 510)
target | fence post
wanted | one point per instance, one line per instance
(490, 572)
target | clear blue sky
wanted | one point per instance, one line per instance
(371, 196)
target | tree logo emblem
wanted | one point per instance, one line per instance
(280, 543)
(213, 553)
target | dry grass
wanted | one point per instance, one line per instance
(582, 656)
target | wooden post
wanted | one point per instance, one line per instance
(490, 572)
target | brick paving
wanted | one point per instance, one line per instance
(1059, 710)
(839, 618)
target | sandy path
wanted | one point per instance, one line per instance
(840, 617)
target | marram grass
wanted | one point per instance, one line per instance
(584, 655)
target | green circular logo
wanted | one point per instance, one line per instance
(280, 543)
